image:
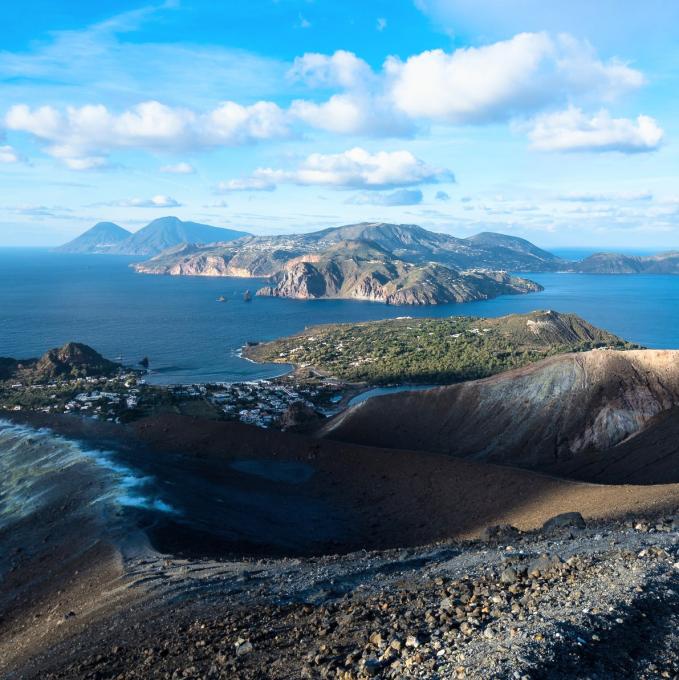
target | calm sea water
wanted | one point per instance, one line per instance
(47, 299)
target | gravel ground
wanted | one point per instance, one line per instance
(600, 601)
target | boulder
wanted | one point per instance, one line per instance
(500, 532)
(566, 520)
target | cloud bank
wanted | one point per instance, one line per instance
(352, 169)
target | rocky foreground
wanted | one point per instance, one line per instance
(569, 601)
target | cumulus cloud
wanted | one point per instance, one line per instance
(501, 80)
(363, 106)
(159, 201)
(573, 130)
(358, 168)
(341, 69)
(473, 85)
(181, 168)
(8, 154)
(80, 136)
(511, 79)
(399, 197)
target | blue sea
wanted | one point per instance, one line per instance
(47, 299)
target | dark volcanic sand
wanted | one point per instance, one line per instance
(241, 491)
(348, 496)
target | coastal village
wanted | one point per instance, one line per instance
(126, 396)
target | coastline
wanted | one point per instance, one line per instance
(380, 518)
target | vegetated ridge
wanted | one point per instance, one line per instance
(434, 350)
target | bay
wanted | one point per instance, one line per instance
(47, 299)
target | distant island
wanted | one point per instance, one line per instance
(399, 264)
(158, 235)
(614, 263)
(395, 264)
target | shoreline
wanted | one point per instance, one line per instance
(183, 445)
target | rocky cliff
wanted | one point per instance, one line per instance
(72, 360)
(369, 273)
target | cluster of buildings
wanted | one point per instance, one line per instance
(260, 403)
(264, 402)
(99, 397)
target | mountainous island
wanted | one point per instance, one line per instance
(614, 263)
(158, 235)
(102, 238)
(396, 264)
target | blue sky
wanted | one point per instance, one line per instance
(552, 121)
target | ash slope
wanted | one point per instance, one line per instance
(567, 414)
(396, 264)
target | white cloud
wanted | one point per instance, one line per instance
(255, 183)
(473, 85)
(82, 136)
(504, 79)
(37, 210)
(351, 113)
(341, 69)
(358, 168)
(362, 106)
(181, 168)
(395, 198)
(159, 201)
(85, 162)
(573, 130)
(8, 154)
